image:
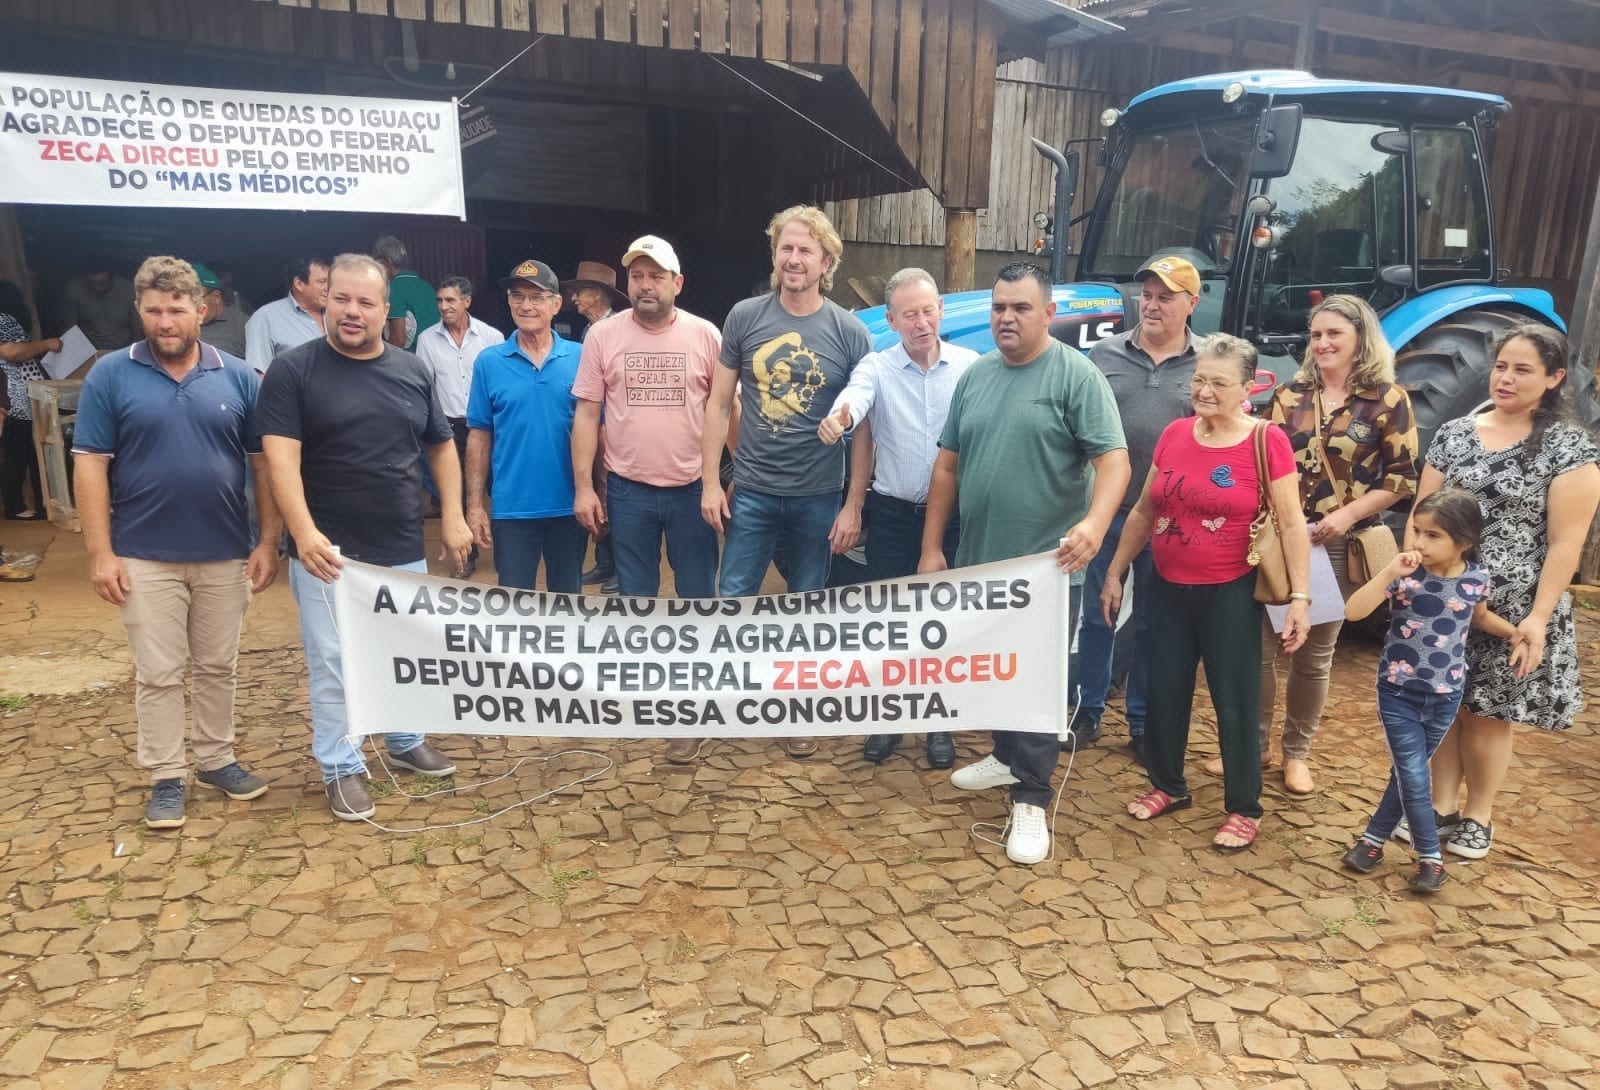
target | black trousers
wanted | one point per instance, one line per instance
(1218, 624)
(21, 464)
(1032, 757)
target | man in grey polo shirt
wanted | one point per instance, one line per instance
(167, 536)
(1149, 367)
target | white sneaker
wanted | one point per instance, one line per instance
(987, 773)
(1029, 841)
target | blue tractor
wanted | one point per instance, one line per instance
(1282, 189)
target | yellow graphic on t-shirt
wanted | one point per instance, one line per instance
(788, 376)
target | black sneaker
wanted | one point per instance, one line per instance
(232, 780)
(166, 805)
(1363, 856)
(1085, 728)
(1470, 840)
(1444, 822)
(1429, 877)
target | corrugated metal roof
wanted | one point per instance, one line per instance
(1064, 25)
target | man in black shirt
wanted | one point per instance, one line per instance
(342, 420)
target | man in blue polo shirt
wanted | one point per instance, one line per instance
(520, 414)
(163, 432)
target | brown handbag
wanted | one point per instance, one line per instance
(1266, 547)
(1367, 551)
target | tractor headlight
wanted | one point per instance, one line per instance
(1233, 92)
(1110, 116)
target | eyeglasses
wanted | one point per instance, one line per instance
(1199, 382)
(538, 297)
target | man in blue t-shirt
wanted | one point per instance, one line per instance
(343, 419)
(164, 429)
(520, 414)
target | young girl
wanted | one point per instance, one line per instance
(1436, 593)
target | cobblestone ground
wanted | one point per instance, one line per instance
(766, 923)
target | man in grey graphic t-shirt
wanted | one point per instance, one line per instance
(789, 353)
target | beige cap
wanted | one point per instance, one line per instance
(656, 249)
(1176, 273)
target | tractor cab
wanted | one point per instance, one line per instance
(1283, 189)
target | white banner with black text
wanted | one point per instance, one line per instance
(977, 648)
(87, 141)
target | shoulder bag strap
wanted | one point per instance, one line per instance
(1341, 490)
(1258, 441)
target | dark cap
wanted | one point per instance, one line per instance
(533, 272)
(208, 279)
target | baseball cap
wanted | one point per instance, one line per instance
(1175, 273)
(533, 272)
(656, 249)
(208, 279)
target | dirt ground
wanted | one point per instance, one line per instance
(593, 917)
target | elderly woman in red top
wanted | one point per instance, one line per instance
(1197, 507)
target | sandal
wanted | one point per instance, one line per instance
(1237, 826)
(1155, 802)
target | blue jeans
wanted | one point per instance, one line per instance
(519, 544)
(1097, 642)
(1414, 723)
(641, 515)
(336, 755)
(760, 520)
(894, 536)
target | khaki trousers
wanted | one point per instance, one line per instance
(182, 616)
(1309, 668)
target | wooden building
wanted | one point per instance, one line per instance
(692, 118)
(1542, 55)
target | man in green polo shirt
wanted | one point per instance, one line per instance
(412, 305)
(1033, 451)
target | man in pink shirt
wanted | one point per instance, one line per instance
(649, 369)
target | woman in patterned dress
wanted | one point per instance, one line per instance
(1349, 422)
(19, 360)
(1534, 474)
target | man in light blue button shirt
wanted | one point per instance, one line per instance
(897, 399)
(291, 321)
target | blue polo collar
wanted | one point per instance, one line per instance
(210, 358)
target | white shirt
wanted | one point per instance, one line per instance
(907, 407)
(452, 363)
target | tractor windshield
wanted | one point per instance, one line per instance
(1175, 191)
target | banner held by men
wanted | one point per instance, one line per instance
(971, 649)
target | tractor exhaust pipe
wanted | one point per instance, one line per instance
(1066, 185)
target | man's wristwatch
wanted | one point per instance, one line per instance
(1299, 596)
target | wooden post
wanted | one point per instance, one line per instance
(960, 248)
(1584, 335)
(1305, 45)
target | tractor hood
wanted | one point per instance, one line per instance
(1085, 313)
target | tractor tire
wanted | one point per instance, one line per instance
(1446, 370)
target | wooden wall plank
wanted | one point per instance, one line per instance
(411, 9)
(774, 28)
(830, 31)
(648, 30)
(935, 71)
(714, 31)
(885, 36)
(550, 16)
(980, 144)
(858, 41)
(802, 31)
(680, 23)
(334, 5)
(477, 12)
(742, 27)
(958, 104)
(516, 14)
(907, 92)
(582, 18)
(370, 7)
(445, 11)
(617, 19)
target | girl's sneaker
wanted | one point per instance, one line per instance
(1470, 840)
(1429, 877)
(1445, 822)
(1363, 856)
